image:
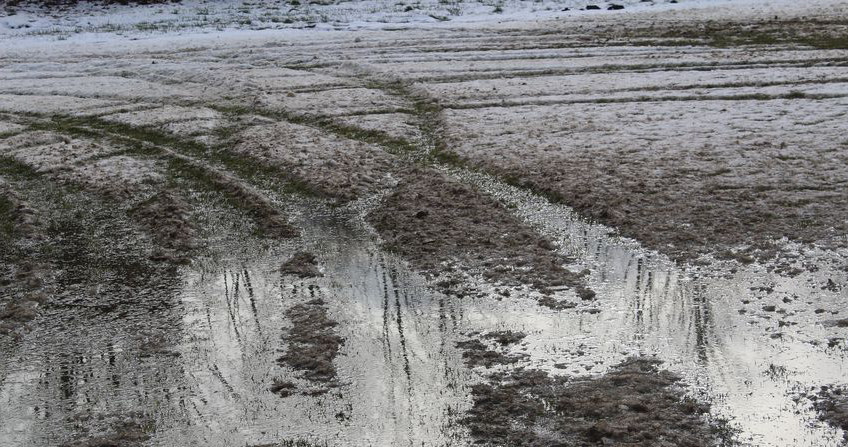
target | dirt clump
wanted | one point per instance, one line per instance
(831, 403)
(836, 323)
(18, 216)
(166, 216)
(124, 434)
(505, 338)
(19, 311)
(435, 222)
(302, 265)
(110, 429)
(283, 388)
(634, 404)
(476, 353)
(312, 344)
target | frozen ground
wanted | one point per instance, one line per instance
(523, 227)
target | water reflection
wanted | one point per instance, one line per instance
(195, 355)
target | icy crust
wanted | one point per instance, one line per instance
(594, 62)
(107, 87)
(83, 162)
(335, 102)
(335, 166)
(120, 175)
(655, 83)
(167, 116)
(10, 128)
(47, 104)
(47, 151)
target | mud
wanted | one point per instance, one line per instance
(18, 217)
(119, 431)
(22, 291)
(313, 343)
(476, 353)
(633, 404)
(831, 403)
(247, 141)
(166, 217)
(443, 226)
(302, 265)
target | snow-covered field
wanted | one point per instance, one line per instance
(503, 198)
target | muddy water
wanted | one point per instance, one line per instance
(190, 357)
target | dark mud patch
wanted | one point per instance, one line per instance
(633, 404)
(436, 222)
(16, 216)
(476, 353)
(831, 403)
(166, 217)
(313, 343)
(302, 265)
(294, 443)
(127, 431)
(22, 280)
(505, 338)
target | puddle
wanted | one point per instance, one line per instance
(194, 359)
(401, 377)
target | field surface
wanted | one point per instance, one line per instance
(438, 224)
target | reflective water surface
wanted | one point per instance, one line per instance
(188, 358)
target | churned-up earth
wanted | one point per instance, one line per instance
(433, 223)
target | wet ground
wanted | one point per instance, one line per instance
(517, 234)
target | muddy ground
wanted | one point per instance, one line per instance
(634, 404)
(442, 226)
(617, 230)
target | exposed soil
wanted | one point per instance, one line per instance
(166, 216)
(831, 402)
(121, 431)
(17, 216)
(313, 343)
(475, 353)
(22, 279)
(302, 265)
(434, 222)
(634, 404)
(505, 338)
